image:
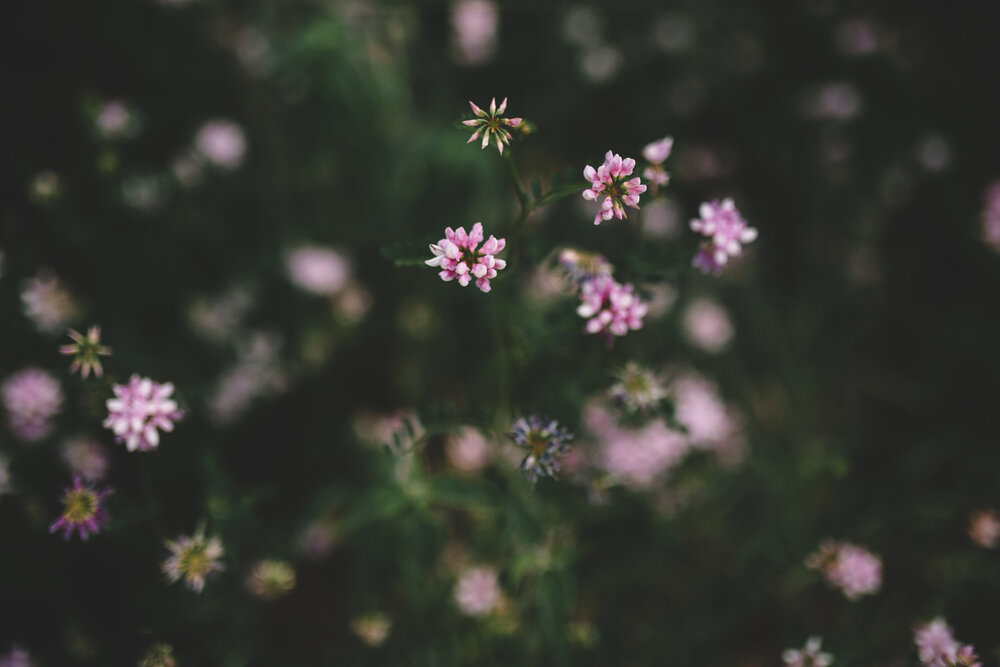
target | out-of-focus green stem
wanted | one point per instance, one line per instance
(522, 194)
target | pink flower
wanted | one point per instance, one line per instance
(475, 23)
(458, 257)
(467, 450)
(991, 216)
(656, 153)
(726, 230)
(810, 655)
(638, 457)
(222, 143)
(853, 569)
(610, 308)
(48, 304)
(984, 528)
(707, 325)
(319, 270)
(935, 643)
(85, 458)
(609, 181)
(115, 120)
(83, 511)
(138, 409)
(17, 657)
(477, 592)
(32, 398)
(491, 124)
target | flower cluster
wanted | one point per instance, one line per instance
(638, 389)
(193, 558)
(545, 441)
(139, 408)
(48, 304)
(492, 124)
(582, 266)
(809, 656)
(853, 569)
(86, 352)
(610, 307)
(459, 256)
(726, 230)
(611, 181)
(85, 458)
(83, 510)
(937, 647)
(32, 398)
(656, 153)
(477, 592)
(317, 269)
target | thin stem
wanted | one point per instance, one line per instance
(522, 194)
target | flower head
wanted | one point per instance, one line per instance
(984, 528)
(17, 657)
(115, 120)
(86, 351)
(467, 450)
(139, 408)
(459, 256)
(193, 559)
(656, 153)
(32, 398)
(271, 579)
(853, 569)
(319, 270)
(611, 181)
(935, 643)
(222, 143)
(583, 266)
(477, 592)
(638, 389)
(545, 441)
(372, 628)
(83, 510)
(48, 304)
(85, 458)
(491, 124)
(610, 307)
(809, 656)
(726, 231)
(966, 657)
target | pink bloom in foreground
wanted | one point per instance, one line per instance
(222, 143)
(656, 153)
(610, 307)
(726, 231)
(32, 398)
(477, 592)
(935, 643)
(459, 256)
(853, 569)
(611, 181)
(809, 656)
(141, 407)
(83, 510)
(491, 124)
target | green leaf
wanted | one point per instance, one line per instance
(461, 493)
(536, 189)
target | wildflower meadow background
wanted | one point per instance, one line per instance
(483, 333)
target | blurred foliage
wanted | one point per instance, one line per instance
(864, 358)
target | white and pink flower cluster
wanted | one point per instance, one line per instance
(853, 569)
(460, 256)
(139, 410)
(477, 592)
(611, 309)
(937, 646)
(611, 181)
(810, 655)
(32, 398)
(726, 230)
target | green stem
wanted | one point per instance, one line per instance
(522, 194)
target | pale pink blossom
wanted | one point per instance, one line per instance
(115, 120)
(656, 153)
(810, 655)
(700, 409)
(140, 409)
(222, 143)
(318, 269)
(475, 24)
(477, 592)
(853, 569)
(707, 325)
(16, 657)
(935, 643)
(32, 398)
(467, 450)
(492, 125)
(991, 216)
(85, 458)
(726, 230)
(460, 256)
(611, 309)
(48, 304)
(611, 181)
(638, 457)
(984, 528)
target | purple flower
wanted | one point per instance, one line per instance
(139, 408)
(458, 257)
(610, 308)
(492, 124)
(545, 441)
(32, 398)
(83, 510)
(611, 181)
(726, 231)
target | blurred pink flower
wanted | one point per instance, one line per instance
(48, 303)
(984, 528)
(727, 231)
(707, 325)
(222, 143)
(475, 23)
(32, 398)
(318, 269)
(638, 457)
(115, 120)
(85, 458)
(492, 124)
(477, 592)
(610, 307)
(17, 657)
(467, 450)
(810, 655)
(139, 408)
(458, 257)
(991, 216)
(656, 153)
(318, 539)
(935, 643)
(609, 181)
(853, 569)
